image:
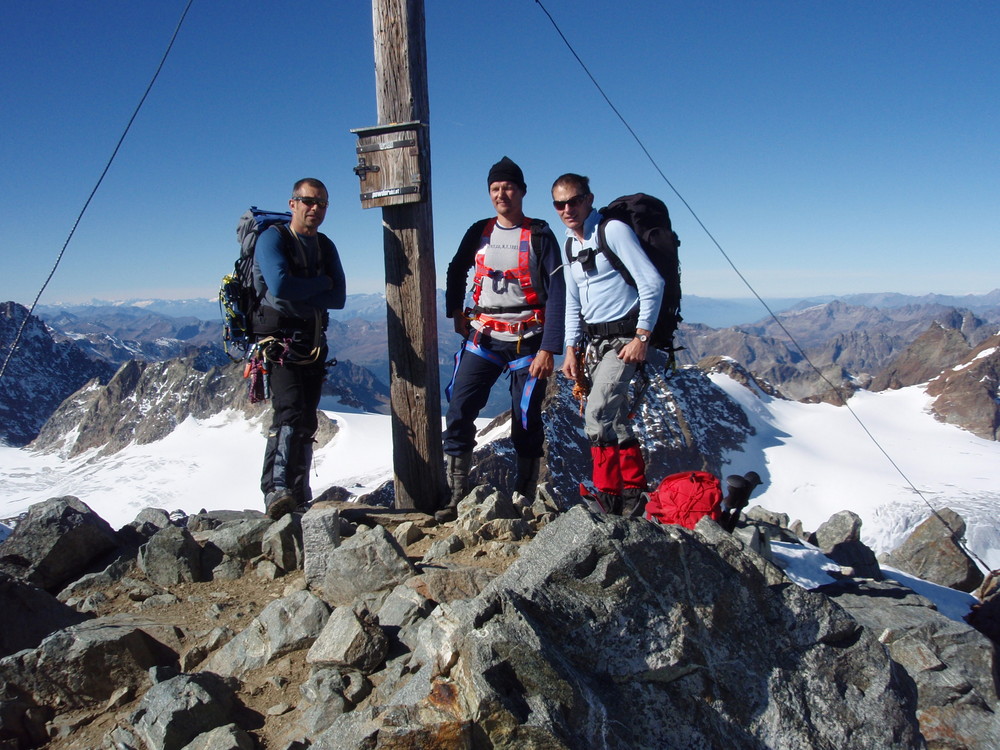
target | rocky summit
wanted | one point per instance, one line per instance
(514, 626)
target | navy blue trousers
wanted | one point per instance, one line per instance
(471, 388)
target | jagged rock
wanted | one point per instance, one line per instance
(28, 614)
(950, 664)
(350, 639)
(55, 543)
(320, 535)
(541, 658)
(451, 582)
(229, 737)
(840, 540)
(39, 376)
(403, 607)
(174, 712)
(171, 556)
(968, 395)
(328, 693)
(984, 615)
(227, 547)
(369, 561)
(282, 543)
(285, 625)
(85, 664)
(155, 517)
(408, 533)
(932, 552)
(935, 350)
(443, 547)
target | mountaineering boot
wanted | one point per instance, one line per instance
(526, 479)
(457, 475)
(633, 502)
(610, 501)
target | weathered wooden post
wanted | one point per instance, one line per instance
(395, 170)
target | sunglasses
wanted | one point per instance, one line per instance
(573, 202)
(312, 201)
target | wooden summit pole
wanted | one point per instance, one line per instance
(401, 91)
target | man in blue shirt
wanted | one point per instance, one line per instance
(615, 318)
(298, 273)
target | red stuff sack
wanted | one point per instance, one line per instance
(684, 498)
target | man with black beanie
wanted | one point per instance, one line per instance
(514, 325)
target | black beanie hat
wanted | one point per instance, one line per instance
(506, 170)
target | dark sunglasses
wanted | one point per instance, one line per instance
(312, 201)
(573, 202)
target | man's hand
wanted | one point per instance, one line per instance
(461, 323)
(542, 365)
(634, 352)
(569, 368)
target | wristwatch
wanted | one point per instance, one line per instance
(642, 337)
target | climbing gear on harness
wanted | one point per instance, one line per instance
(518, 364)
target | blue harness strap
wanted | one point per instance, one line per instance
(496, 359)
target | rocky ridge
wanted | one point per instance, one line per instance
(39, 374)
(359, 627)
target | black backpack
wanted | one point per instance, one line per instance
(238, 298)
(650, 220)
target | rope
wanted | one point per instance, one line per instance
(72, 231)
(749, 286)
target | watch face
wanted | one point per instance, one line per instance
(643, 337)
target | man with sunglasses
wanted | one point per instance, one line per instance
(515, 325)
(615, 319)
(297, 273)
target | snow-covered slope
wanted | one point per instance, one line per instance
(815, 459)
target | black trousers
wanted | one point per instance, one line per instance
(295, 395)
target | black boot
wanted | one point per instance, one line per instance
(611, 502)
(526, 479)
(633, 502)
(457, 475)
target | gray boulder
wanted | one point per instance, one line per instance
(839, 538)
(171, 556)
(227, 547)
(229, 737)
(370, 561)
(350, 639)
(285, 625)
(933, 552)
(55, 543)
(85, 664)
(28, 614)
(320, 535)
(174, 712)
(950, 664)
(282, 543)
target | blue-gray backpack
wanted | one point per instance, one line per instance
(238, 298)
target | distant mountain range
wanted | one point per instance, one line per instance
(709, 311)
(810, 350)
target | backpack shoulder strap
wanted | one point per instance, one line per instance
(613, 259)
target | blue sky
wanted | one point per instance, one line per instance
(829, 147)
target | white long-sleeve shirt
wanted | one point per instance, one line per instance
(603, 295)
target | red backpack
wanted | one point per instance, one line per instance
(684, 498)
